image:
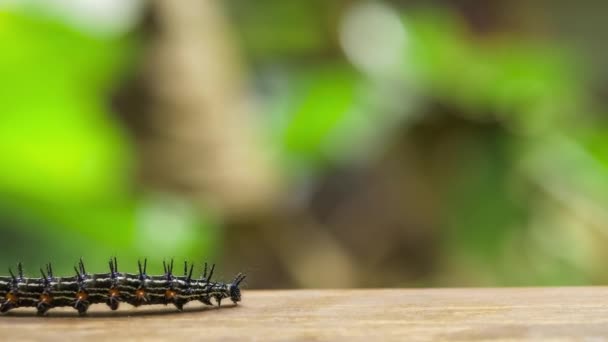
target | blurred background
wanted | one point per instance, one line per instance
(308, 143)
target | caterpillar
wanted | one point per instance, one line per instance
(83, 289)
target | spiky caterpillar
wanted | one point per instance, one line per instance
(84, 289)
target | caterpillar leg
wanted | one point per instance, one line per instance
(206, 300)
(6, 306)
(82, 306)
(44, 303)
(179, 305)
(81, 303)
(171, 296)
(11, 301)
(42, 308)
(113, 299)
(113, 303)
(141, 297)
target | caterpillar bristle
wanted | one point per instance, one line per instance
(44, 278)
(49, 270)
(239, 278)
(211, 273)
(48, 291)
(10, 271)
(20, 270)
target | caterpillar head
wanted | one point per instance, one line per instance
(235, 291)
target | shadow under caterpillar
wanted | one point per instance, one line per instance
(84, 289)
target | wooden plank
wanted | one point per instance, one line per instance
(399, 314)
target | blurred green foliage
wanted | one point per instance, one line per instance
(66, 163)
(312, 122)
(535, 162)
(527, 97)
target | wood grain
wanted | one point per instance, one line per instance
(399, 315)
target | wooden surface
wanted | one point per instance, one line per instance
(401, 315)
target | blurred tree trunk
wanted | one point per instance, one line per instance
(196, 137)
(199, 138)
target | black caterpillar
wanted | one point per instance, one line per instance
(84, 289)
